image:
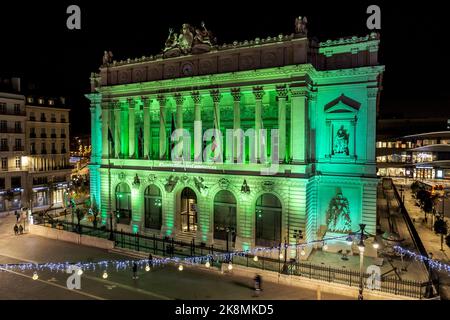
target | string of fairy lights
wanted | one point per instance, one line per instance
(205, 260)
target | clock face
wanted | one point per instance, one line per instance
(187, 69)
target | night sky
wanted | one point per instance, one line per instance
(36, 45)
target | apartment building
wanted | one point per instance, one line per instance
(34, 149)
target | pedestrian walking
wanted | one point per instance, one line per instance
(17, 216)
(150, 259)
(258, 282)
(135, 267)
(16, 229)
(20, 229)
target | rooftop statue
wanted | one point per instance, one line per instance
(185, 38)
(203, 40)
(107, 57)
(300, 25)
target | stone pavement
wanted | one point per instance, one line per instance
(161, 283)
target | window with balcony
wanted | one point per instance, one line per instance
(17, 108)
(3, 126)
(43, 148)
(18, 145)
(32, 132)
(4, 164)
(53, 148)
(63, 147)
(32, 116)
(63, 118)
(53, 117)
(43, 133)
(18, 127)
(3, 107)
(63, 133)
(2, 183)
(4, 145)
(33, 148)
(18, 162)
(43, 118)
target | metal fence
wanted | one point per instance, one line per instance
(169, 247)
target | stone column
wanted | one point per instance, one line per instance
(298, 125)
(179, 99)
(131, 129)
(117, 128)
(281, 95)
(162, 126)
(105, 126)
(147, 125)
(198, 135)
(215, 94)
(260, 146)
(237, 131)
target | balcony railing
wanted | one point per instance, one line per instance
(53, 151)
(53, 135)
(10, 130)
(13, 112)
(53, 119)
(63, 150)
(43, 135)
(19, 148)
(43, 119)
(63, 120)
(63, 135)
(32, 118)
(44, 151)
(32, 135)
(33, 152)
(4, 148)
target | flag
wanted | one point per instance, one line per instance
(110, 137)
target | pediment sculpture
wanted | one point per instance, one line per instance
(171, 182)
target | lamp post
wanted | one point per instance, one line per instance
(361, 248)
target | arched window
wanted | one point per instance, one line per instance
(123, 203)
(188, 211)
(224, 216)
(153, 206)
(268, 220)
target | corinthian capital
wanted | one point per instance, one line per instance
(178, 98)
(282, 92)
(236, 93)
(161, 99)
(215, 94)
(196, 97)
(258, 92)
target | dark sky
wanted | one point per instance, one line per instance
(35, 43)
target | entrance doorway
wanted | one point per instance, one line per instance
(188, 210)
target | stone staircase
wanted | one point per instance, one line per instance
(185, 236)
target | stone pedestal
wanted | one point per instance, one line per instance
(337, 244)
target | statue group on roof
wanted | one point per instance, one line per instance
(189, 40)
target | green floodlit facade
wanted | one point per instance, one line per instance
(322, 98)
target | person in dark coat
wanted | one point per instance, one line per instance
(20, 229)
(135, 267)
(16, 229)
(150, 259)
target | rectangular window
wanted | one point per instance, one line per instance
(4, 144)
(2, 183)
(32, 116)
(18, 144)
(18, 126)
(17, 108)
(18, 162)
(32, 148)
(3, 125)
(5, 163)
(2, 107)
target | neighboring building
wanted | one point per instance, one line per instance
(12, 141)
(34, 137)
(322, 97)
(415, 155)
(48, 149)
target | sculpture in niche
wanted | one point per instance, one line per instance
(340, 145)
(338, 214)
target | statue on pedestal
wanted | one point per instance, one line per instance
(338, 215)
(300, 25)
(341, 141)
(107, 57)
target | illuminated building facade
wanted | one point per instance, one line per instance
(223, 179)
